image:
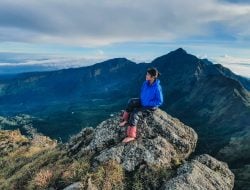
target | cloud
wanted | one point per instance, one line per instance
(236, 1)
(18, 63)
(238, 65)
(95, 23)
(54, 62)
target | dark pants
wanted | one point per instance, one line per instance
(136, 110)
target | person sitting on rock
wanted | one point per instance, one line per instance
(150, 99)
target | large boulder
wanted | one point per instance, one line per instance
(162, 141)
(203, 172)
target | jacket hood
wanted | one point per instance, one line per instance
(157, 82)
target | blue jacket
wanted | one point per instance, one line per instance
(151, 95)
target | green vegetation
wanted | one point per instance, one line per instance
(40, 163)
(149, 176)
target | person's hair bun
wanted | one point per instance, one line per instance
(153, 72)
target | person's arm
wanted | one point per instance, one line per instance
(158, 98)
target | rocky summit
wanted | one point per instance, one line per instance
(162, 142)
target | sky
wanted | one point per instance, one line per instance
(83, 32)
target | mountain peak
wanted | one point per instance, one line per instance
(179, 51)
(119, 60)
(115, 62)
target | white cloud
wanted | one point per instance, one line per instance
(45, 64)
(93, 23)
(238, 65)
(55, 62)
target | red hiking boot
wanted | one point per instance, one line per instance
(131, 134)
(125, 117)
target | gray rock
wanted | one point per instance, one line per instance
(203, 172)
(74, 186)
(161, 140)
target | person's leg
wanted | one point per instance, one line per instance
(132, 128)
(135, 116)
(132, 104)
(134, 119)
(124, 119)
(131, 134)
